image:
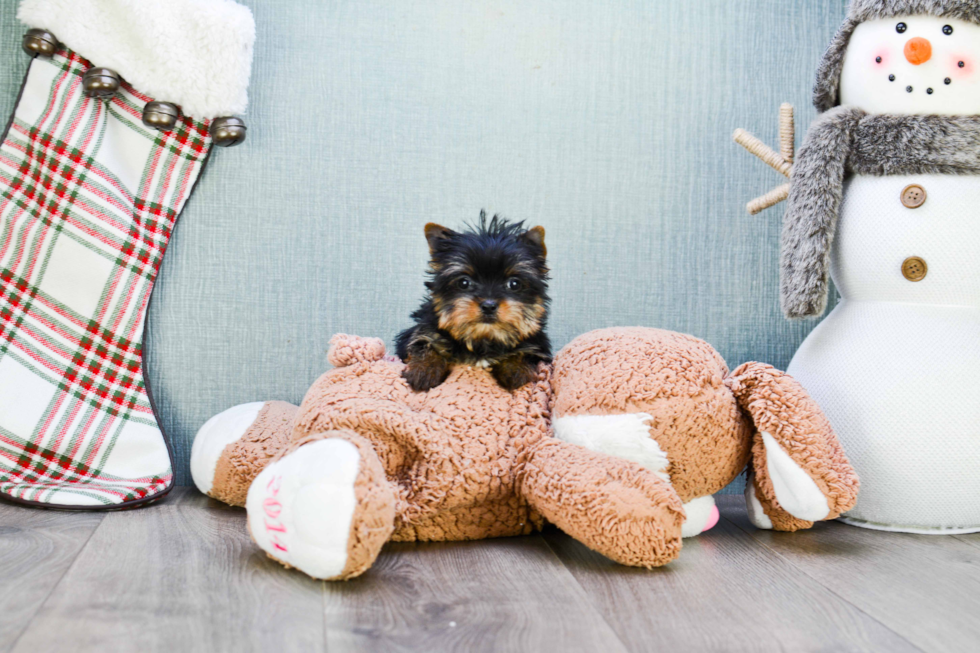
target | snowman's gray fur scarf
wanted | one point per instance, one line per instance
(843, 141)
(828, 75)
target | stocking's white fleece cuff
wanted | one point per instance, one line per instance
(194, 53)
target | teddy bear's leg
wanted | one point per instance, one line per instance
(234, 446)
(324, 506)
(613, 506)
(798, 471)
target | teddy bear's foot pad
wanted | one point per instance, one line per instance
(216, 434)
(300, 508)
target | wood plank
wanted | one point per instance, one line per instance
(508, 594)
(973, 539)
(924, 587)
(724, 593)
(178, 576)
(36, 549)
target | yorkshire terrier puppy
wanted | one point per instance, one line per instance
(487, 305)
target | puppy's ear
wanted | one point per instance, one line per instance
(535, 236)
(434, 233)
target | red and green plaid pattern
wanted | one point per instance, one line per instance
(88, 201)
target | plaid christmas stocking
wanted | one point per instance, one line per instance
(93, 175)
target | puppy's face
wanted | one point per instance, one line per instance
(490, 284)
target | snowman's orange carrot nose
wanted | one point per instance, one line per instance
(918, 51)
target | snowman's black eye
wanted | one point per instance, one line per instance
(877, 59)
(901, 27)
(962, 64)
(947, 29)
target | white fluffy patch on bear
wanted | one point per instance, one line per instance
(626, 436)
(216, 434)
(698, 512)
(757, 515)
(300, 507)
(795, 490)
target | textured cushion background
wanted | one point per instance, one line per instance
(609, 123)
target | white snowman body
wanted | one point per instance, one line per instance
(896, 364)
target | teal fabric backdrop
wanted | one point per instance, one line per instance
(609, 123)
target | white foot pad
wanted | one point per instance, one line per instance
(753, 506)
(300, 508)
(702, 515)
(216, 434)
(795, 490)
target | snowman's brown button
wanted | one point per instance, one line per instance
(914, 269)
(914, 196)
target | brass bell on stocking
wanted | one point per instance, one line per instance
(101, 83)
(39, 42)
(161, 115)
(228, 131)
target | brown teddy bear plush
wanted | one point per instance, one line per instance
(620, 443)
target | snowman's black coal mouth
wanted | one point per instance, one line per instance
(911, 89)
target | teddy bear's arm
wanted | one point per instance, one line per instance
(611, 505)
(798, 471)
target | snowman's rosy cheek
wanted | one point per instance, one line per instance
(881, 58)
(961, 67)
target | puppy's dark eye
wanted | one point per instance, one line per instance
(464, 284)
(514, 284)
(901, 27)
(947, 29)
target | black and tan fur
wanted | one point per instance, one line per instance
(487, 305)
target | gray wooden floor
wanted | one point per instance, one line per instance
(184, 576)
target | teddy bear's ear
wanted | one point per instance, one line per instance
(800, 471)
(535, 236)
(346, 350)
(435, 233)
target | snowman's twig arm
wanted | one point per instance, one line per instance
(770, 157)
(781, 162)
(770, 199)
(787, 132)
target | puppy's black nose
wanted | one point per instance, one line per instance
(488, 306)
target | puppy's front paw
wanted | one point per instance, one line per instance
(423, 375)
(514, 374)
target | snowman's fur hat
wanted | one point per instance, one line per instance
(825, 92)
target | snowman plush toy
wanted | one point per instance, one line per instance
(885, 200)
